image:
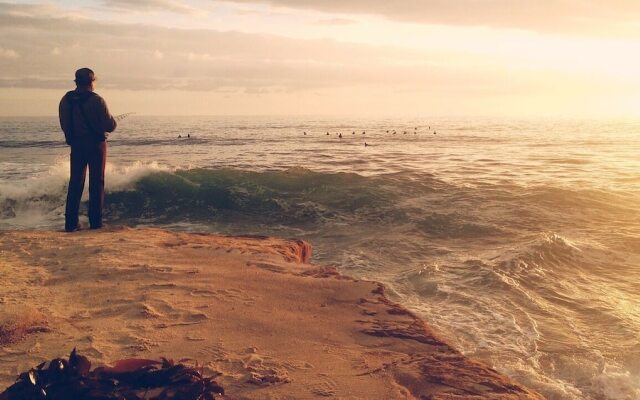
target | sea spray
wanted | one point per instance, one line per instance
(39, 201)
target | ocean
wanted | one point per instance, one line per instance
(517, 240)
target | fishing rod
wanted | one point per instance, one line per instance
(122, 116)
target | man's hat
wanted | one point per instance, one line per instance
(84, 76)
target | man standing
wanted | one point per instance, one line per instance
(85, 121)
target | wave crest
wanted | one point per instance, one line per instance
(38, 201)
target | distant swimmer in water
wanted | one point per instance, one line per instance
(387, 131)
(353, 133)
(404, 133)
(429, 127)
(179, 136)
(394, 132)
(365, 144)
(327, 133)
(188, 136)
(364, 133)
(305, 133)
(340, 135)
(434, 132)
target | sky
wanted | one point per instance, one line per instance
(418, 58)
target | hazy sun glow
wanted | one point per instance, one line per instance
(309, 57)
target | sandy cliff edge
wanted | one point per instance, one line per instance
(247, 307)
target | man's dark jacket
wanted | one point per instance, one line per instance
(83, 115)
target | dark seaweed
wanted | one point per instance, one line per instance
(61, 379)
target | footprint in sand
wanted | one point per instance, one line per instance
(263, 371)
(226, 295)
(324, 386)
(157, 308)
(162, 286)
(174, 316)
(233, 294)
(196, 316)
(148, 311)
(82, 315)
(146, 268)
(214, 353)
(136, 344)
(202, 293)
(267, 266)
(297, 365)
(360, 364)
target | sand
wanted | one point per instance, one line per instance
(251, 309)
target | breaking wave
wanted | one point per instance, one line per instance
(39, 201)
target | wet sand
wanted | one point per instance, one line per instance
(251, 309)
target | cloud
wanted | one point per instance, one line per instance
(176, 6)
(335, 21)
(8, 53)
(40, 10)
(575, 17)
(125, 57)
(615, 17)
(307, 75)
(201, 57)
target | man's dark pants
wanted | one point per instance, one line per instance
(91, 153)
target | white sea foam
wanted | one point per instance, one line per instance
(46, 184)
(122, 177)
(38, 201)
(617, 383)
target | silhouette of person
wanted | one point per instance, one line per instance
(85, 121)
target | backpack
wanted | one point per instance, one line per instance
(74, 100)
